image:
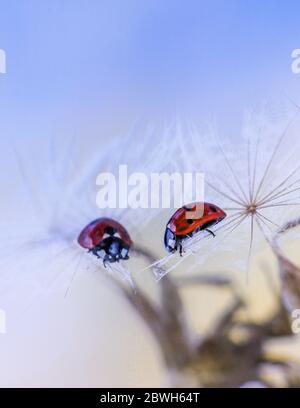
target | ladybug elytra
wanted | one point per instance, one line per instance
(106, 239)
(181, 226)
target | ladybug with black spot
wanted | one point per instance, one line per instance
(106, 239)
(182, 226)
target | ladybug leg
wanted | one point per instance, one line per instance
(211, 233)
(105, 261)
(94, 252)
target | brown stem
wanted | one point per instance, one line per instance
(289, 272)
(166, 319)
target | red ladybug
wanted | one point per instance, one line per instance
(180, 226)
(106, 239)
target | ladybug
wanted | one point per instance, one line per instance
(106, 239)
(180, 226)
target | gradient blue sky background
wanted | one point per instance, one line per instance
(78, 64)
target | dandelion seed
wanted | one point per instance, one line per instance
(255, 178)
(266, 176)
(57, 188)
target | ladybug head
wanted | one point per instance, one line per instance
(170, 241)
(112, 249)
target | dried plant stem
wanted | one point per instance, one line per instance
(166, 320)
(289, 272)
(211, 360)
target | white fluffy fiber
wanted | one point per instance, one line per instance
(57, 189)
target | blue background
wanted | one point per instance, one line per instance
(87, 66)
